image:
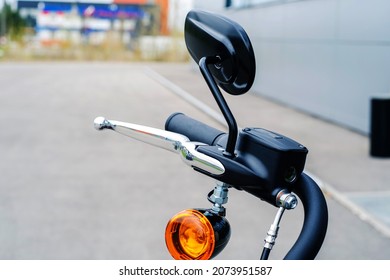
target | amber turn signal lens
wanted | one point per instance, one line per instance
(189, 235)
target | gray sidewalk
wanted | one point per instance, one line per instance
(70, 192)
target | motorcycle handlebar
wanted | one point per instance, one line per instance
(315, 222)
(195, 130)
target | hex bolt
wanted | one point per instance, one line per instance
(286, 200)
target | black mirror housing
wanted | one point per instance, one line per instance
(209, 35)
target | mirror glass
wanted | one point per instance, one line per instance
(211, 35)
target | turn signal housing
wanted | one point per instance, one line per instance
(196, 234)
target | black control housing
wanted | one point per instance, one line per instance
(265, 162)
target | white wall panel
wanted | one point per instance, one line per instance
(327, 57)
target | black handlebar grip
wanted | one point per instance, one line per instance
(195, 130)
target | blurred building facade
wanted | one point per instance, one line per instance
(90, 21)
(329, 58)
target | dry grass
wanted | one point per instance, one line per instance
(109, 50)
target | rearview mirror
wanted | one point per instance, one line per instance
(211, 35)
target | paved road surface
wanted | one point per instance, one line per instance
(70, 192)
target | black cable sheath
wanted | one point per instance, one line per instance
(265, 254)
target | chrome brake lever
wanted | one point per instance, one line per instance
(167, 140)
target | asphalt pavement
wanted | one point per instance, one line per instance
(68, 191)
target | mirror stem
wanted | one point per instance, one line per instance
(233, 129)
